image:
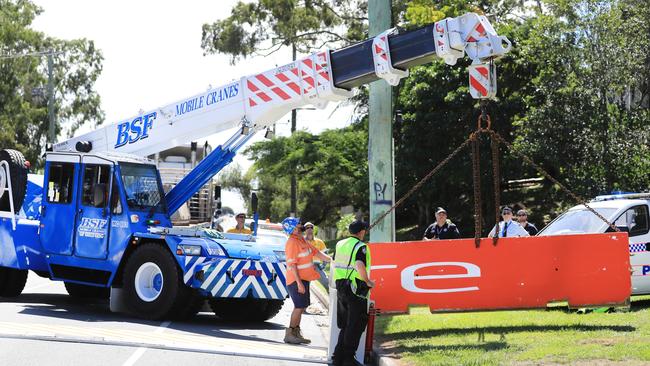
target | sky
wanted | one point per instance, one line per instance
(153, 57)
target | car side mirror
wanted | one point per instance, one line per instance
(254, 202)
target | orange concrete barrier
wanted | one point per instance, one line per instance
(517, 273)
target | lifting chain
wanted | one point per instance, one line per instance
(496, 178)
(541, 170)
(420, 183)
(476, 174)
(484, 126)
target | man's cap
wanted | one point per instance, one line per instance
(506, 209)
(308, 224)
(289, 224)
(241, 214)
(440, 209)
(356, 226)
(522, 212)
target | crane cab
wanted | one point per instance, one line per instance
(91, 205)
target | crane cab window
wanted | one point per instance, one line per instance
(95, 185)
(635, 219)
(60, 183)
(116, 203)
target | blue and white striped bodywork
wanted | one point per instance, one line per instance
(236, 278)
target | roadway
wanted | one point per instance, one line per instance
(45, 326)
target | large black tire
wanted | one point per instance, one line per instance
(18, 173)
(247, 310)
(173, 294)
(87, 292)
(12, 281)
(190, 307)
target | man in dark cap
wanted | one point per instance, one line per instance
(353, 284)
(522, 217)
(442, 228)
(507, 228)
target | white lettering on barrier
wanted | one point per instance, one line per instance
(408, 276)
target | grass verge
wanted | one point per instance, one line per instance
(535, 337)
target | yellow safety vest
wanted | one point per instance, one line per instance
(344, 259)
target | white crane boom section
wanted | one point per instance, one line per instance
(261, 99)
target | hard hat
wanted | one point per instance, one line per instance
(289, 224)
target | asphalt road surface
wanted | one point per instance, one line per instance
(45, 326)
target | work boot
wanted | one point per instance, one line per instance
(299, 335)
(290, 336)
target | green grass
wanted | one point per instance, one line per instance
(553, 336)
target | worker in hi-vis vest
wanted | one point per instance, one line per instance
(353, 284)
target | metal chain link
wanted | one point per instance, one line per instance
(420, 183)
(474, 139)
(496, 177)
(555, 181)
(476, 175)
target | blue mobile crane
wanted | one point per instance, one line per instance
(99, 220)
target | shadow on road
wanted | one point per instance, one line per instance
(96, 310)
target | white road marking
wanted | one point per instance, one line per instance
(140, 351)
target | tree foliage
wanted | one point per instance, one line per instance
(23, 81)
(572, 95)
(590, 109)
(331, 169)
(262, 27)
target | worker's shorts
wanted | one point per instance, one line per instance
(300, 301)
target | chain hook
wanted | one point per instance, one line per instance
(487, 120)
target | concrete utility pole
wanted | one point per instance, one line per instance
(380, 143)
(294, 183)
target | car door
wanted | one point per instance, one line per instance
(58, 211)
(636, 219)
(93, 214)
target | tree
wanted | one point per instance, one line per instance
(268, 25)
(264, 26)
(573, 94)
(331, 169)
(23, 75)
(439, 114)
(590, 111)
(234, 179)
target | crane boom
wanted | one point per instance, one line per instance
(317, 79)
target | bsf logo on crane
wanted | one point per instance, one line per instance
(136, 130)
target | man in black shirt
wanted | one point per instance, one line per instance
(522, 217)
(442, 228)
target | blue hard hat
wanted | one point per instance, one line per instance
(289, 224)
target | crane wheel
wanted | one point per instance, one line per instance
(153, 284)
(18, 174)
(248, 309)
(12, 281)
(188, 308)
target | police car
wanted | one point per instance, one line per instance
(629, 212)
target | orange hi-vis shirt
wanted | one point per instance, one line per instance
(300, 254)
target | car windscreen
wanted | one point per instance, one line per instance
(578, 222)
(142, 187)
